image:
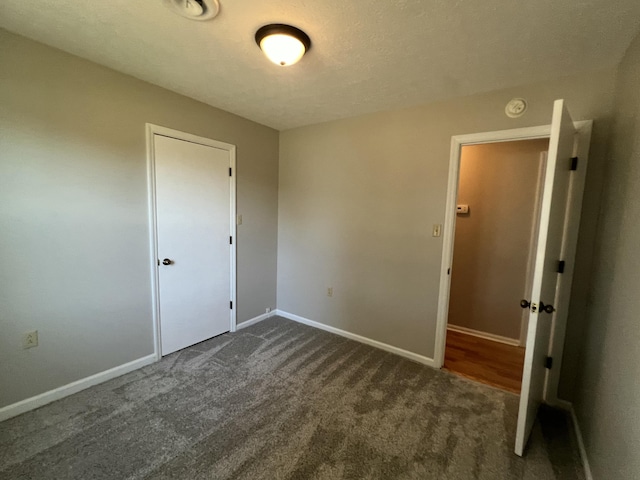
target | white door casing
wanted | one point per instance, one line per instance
(192, 207)
(457, 142)
(545, 276)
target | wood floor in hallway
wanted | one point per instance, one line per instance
(485, 361)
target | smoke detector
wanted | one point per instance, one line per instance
(194, 9)
(516, 107)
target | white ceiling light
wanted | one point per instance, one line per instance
(284, 45)
(194, 9)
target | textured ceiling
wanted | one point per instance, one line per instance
(366, 56)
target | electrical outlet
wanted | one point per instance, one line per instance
(239, 220)
(437, 229)
(30, 339)
(267, 310)
(330, 292)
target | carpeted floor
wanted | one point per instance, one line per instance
(279, 400)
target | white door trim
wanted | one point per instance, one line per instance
(530, 133)
(152, 130)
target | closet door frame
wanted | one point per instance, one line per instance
(152, 130)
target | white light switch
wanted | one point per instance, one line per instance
(462, 209)
(437, 229)
(239, 220)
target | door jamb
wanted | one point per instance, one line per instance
(556, 346)
(152, 130)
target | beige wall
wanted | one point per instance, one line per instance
(608, 396)
(73, 213)
(358, 198)
(499, 182)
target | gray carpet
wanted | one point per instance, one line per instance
(279, 400)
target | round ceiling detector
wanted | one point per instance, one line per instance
(194, 9)
(284, 45)
(516, 107)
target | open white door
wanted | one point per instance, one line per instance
(545, 276)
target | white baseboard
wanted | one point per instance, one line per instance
(568, 407)
(583, 451)
(358, 338)
(488, 336)
(254, 320)
(32, 403)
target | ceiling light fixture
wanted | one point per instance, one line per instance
(284, 45)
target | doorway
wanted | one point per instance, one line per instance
(496, 229)
(192, 213)
(555, 253)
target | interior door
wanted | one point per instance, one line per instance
(545, 276)
(193, 232)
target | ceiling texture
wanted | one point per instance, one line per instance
(365, 57)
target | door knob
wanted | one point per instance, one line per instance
(166, 261)
(524, 303)
(546, 308)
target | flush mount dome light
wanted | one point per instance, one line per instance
(284, 45)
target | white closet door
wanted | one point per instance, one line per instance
(193, 228)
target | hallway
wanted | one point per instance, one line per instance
(486, 361)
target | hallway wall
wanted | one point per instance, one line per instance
(499, 183)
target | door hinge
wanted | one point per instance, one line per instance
(548, 362)
(448, 271)
(574, 163)
(230, 240)
(230, 172)
(231, 305)
(561, 265)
